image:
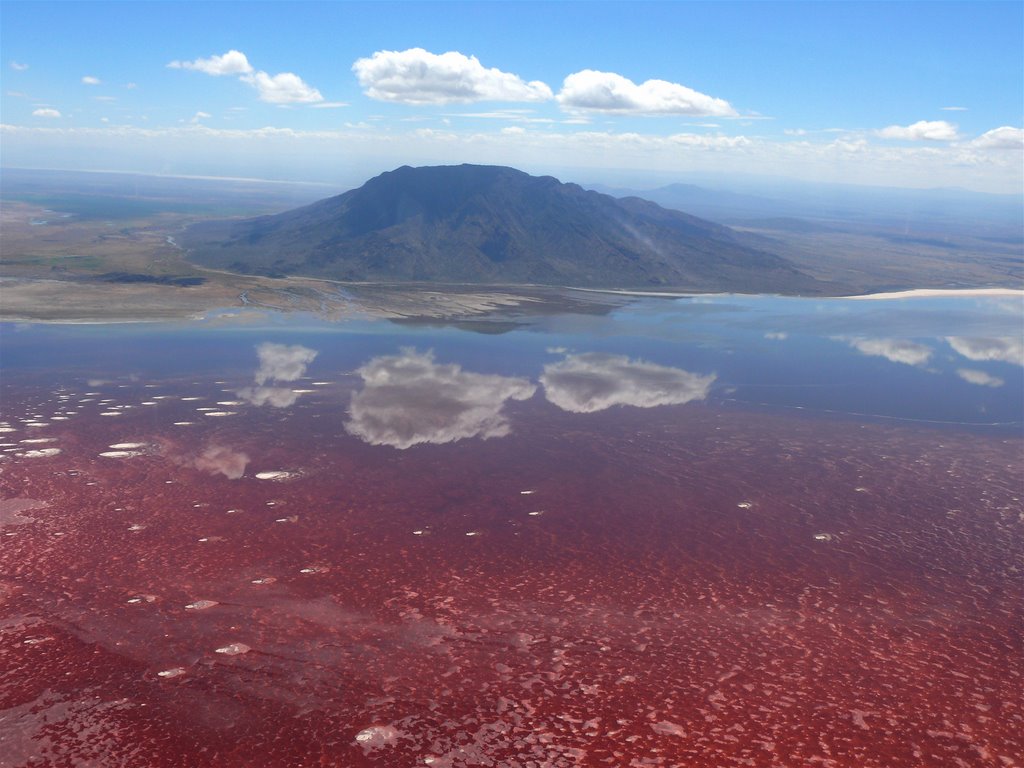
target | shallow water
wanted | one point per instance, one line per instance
(703, 532)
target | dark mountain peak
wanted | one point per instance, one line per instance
(492, 224)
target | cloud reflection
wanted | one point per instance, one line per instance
(219, 459)
(282, 362)
(593, 381)
(408, 399)
(1005, 349)
(893, 350)
(278, 362)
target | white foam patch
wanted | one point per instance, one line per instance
(201, 605)
(172, 672)
(229, 402)
(277, 474)
(219, 413)
(112, 413)
(377, 736)
(126, 446)
(39, 453)
(191, 399)
(39, 440)
(120, 454)
(184, 423)
(6, 430)
(234, 649)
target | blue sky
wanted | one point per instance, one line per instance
(903, 94)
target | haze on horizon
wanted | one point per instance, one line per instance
(897, 94)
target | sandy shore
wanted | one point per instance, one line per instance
(932, 293)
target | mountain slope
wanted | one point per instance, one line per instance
(489, 224)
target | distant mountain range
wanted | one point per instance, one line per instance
(490, 224)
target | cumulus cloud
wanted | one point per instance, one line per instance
(198, 116)
(893, 350)
(593, 381)
(231, 63)
(90, 80)
(922, 130)
(217, 459)
(285, 88)
(417, 76)
(609, 92)
(1005, 349)
(45, 112)
(409, 399)
(1006, 137)
(980, 378)
(282, 362)
(18, 66)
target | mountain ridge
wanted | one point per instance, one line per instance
(492, 224)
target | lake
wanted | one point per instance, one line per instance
(701, 531)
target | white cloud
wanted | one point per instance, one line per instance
(1005, 137)
(1006, 349)
(777, 335)
(231, 63)
(284, 88)
(980, 378)
(416, 76)
(198, 116)
(18, 66)
(281, 362)
(408, 399)
(45, 112)
(953, 109)
(90, 80)
(592, 381)
(893, 350)
(922, 130)
(609, 92)
(330, 105)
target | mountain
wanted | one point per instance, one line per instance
(489, 224)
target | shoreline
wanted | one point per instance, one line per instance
(936, 293)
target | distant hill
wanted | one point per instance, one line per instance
(490, 224)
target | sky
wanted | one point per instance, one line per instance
(918, 94)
